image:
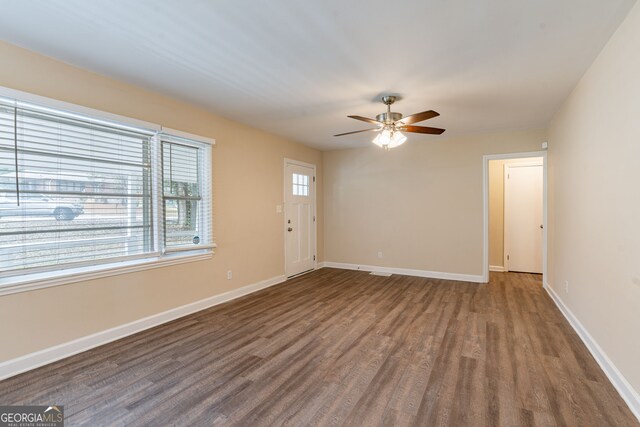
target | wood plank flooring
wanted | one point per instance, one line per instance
(337, 347)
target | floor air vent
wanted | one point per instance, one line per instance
(380, 273)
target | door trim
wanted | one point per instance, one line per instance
(505, 171)
(314, 229)
(485, 206)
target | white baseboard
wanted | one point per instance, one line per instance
(497, 268)
(407, 272)
(626, 390)
(34, 360)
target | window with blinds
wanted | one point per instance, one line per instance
(75, 191)
(186, 186)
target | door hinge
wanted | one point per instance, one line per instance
(314, 179)
(507, 257)
(314, 257)
(314, 218)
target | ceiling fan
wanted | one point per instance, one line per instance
(391, 125)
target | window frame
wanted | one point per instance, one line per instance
(55, 275)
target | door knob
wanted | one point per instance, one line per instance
(289, 229)
(541, 226)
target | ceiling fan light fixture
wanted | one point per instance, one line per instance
(388, 139)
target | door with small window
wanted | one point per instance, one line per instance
(299, 218)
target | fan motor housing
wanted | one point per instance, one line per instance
(389, 117)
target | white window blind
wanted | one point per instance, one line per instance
(73, 191)
(186, 194)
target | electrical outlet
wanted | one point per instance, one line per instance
(229, 275)
(379, 254)
(566, 286)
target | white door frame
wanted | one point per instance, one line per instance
(288, 161)
(485, 203)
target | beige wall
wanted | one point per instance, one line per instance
(594, 173)
(496, 208)
(420, 204)
(247, 182)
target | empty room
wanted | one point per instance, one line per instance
(243, 213)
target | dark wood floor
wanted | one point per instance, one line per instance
(340, 347)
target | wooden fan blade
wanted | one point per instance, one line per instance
(422, 129)
(357, 131)
(365, 119)
(418, 117)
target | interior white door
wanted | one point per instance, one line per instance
(523, 213)
(299, 218)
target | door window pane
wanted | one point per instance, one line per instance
(300, 185)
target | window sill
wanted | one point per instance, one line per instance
(33, 281)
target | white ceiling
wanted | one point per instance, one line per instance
(298, 68)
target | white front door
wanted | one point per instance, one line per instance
(299, 210)
(523, 198)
